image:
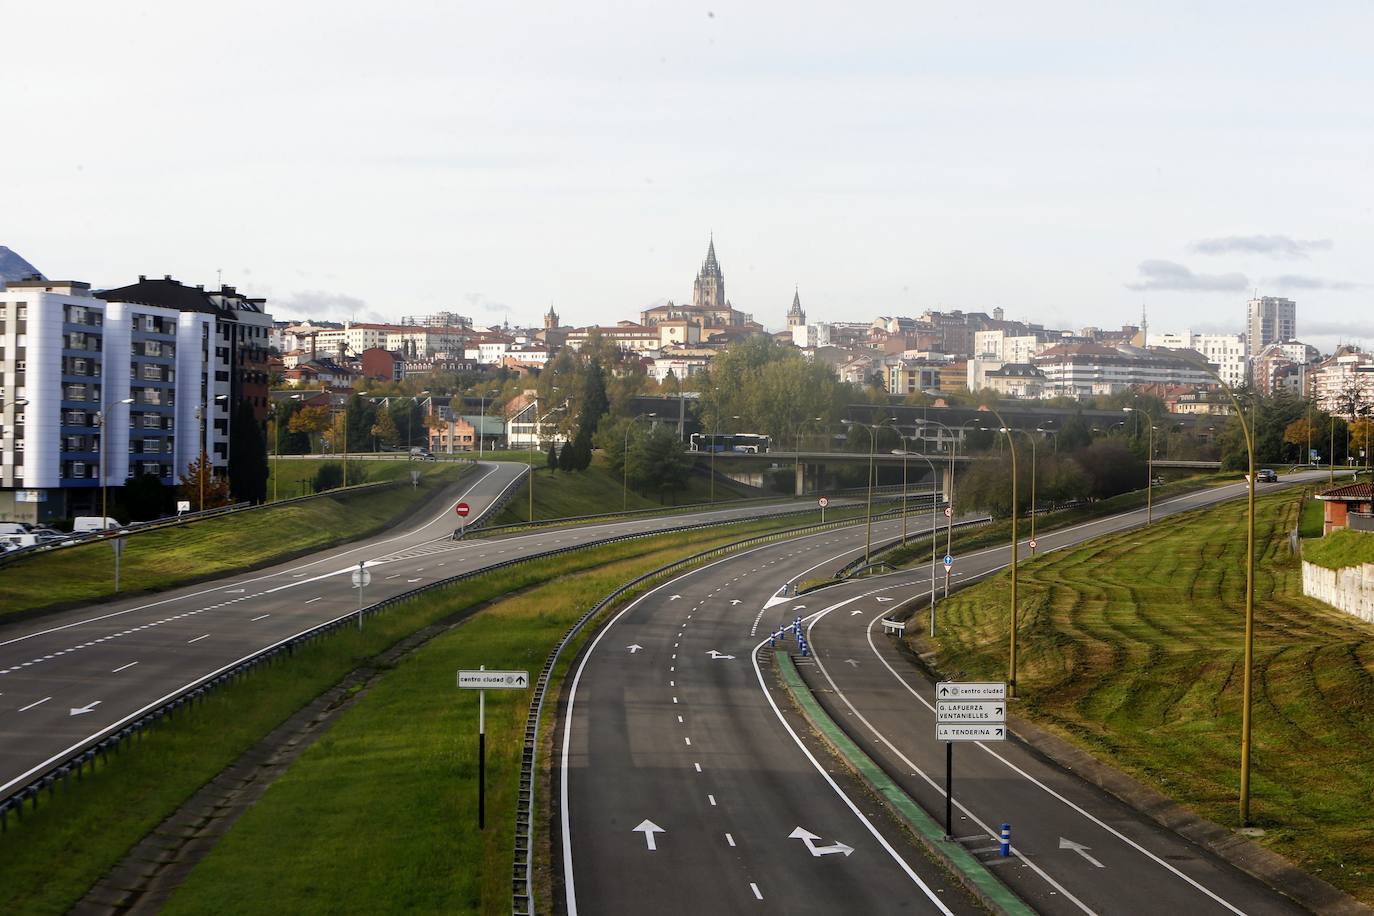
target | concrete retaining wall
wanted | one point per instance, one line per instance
(1350, 589)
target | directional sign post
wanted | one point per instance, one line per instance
(967, 712)
(414, 479)
(483, 680)
(118, 545)
(361, 578)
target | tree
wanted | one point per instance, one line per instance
(1110, 468)
(247, 456)
(310, 422)
(594, 404)
(384, 429)
(1362, 437)
(657, 461)
(582, 450)
(567, 457)
(359, 418)
(198, 479)
(553, 455)
(144, 498)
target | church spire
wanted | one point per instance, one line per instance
(710, 267)
(796, 316)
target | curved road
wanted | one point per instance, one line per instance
(73, 676)
(673, 729)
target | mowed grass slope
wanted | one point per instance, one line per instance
(560, 494)
(166, 557)
(1132, 647)
(382, 811)
(1340, 549)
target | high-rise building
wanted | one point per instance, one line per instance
(1269, 319)
(141, 368)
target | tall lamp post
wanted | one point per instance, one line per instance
(868, 512)
(104, 476)
(1149, 465)
(1011, 653)
(625, 461)
(949, 496)
(934, 521)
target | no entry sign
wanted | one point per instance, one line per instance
(462, 509)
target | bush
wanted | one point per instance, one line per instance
(328, 477)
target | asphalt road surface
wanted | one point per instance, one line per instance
(70, 677)
(685, 784)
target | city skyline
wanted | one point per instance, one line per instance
(1064, 165)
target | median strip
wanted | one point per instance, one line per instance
(972, 873)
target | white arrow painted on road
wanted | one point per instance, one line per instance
(635, 648)
(884, 599)
(649, 828)
(856, 612)
(82, 710)
(799, 607)
(776, 599)
(851, 663)
(674, 597)
(714, 654)
(809, 838)
(734, 601)
(1080, 849)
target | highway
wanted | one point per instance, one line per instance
(70, 677)
(674, 728)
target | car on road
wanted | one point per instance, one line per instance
(1266, 475)
(421, 454)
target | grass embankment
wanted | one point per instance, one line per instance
(1340, 548)
(295, 476)
(1132, 648)
(426, 754)
(560, 494)
(1312, 520)
(166, 557)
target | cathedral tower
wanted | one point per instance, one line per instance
(709, 289)
(796, 316)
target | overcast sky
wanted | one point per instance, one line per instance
(1070, 163)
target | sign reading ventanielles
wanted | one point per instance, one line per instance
(494, 680)
(970, 711)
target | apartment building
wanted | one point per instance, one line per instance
(140, 367)
(1227, 352)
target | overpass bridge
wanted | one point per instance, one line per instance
(808, 465)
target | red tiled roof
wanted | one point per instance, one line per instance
(1353, 491)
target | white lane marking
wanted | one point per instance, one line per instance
(197, 639)
(679, 720)
(698, 766)
(122, 667)
(441, 517)
(1075, 807)
(712, 800)
(729, 839)
(313, 600)
(689, 741)
(758, 894)
(261, 617)
(32, 705)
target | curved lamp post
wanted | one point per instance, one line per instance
(1011, 651)
(1149, 464)
(868, 512)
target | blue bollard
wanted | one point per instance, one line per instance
(804, 651)
(1006, 840)
(773, 641)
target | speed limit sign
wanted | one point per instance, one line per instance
(1032, 544)
(949, 512)
(823, 501)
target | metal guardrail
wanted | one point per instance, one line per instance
(172, 521)
(130, 728)
(522, 879)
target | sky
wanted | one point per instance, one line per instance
(1072, 163)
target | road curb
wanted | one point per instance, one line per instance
(972, 874)
(1260, 862)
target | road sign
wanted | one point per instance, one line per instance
(462, 509)
(949, 560)
(361, 577)
(949, 512)
(183, 505)
(1032, 543)
(993, 732)
(823, 502)
(957, 690)
(493, 680)
(970, 712)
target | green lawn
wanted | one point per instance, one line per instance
(166, 557)
(1312, 520)
(54, 855)
(1339, 548)
(1131, 646)
(293, 476)
(560, 494)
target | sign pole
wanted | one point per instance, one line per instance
(482, 757)
(949, 790)
(118, 545)
(360, 596)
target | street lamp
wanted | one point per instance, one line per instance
(949, 496)
(104, 478)
(934, 521)
(868, 512)
(1149, 466)
(712, 446)
(1011, 653)
(625, 461)
(200, 415)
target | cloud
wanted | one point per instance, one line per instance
(317, 303)
(1302, 281)
(1169, 275)
(1344, 329)
(1276, 246)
